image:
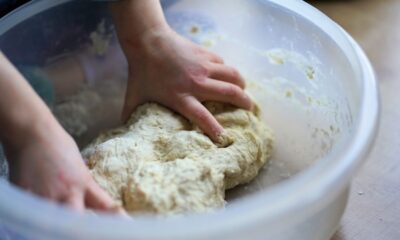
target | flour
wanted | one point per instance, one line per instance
(74, 112)
(161, 163)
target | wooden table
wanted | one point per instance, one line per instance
(373, 212)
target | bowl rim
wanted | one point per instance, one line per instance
(13, 207)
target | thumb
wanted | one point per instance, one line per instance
(75, 199)
(96, 198)
(132, 100)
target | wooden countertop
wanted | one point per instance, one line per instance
(373, 212)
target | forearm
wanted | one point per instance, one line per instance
(134, 18)
(21, 109)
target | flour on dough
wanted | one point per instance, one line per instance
(161, 163)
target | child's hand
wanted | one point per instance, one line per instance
(47, 162)
(179, 74)
(168, 69)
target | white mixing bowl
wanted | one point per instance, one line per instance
(315, 85)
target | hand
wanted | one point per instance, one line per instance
(47, 162)
(170, 70)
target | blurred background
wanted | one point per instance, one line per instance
(374, 208)
(373, 212)
(8, 5)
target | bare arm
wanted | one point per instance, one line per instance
(42, 157)
(21, 110)
(135, 18)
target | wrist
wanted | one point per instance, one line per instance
(141, 43)
(30, 129)
(134, 20)
(133, 16)
(152, 43)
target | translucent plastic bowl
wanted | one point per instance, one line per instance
(315, 85)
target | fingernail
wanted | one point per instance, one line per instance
(251, 106)
(219, 135)
(251, 102)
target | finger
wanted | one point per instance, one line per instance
(118, 210)
(97, 198)
(214, 90)
(207, 53)
(226, 74)
(192, 109)
(214, 57)
(75, 200)
(85, 161)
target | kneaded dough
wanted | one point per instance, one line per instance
(161, 163)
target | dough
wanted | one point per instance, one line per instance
(161, 163)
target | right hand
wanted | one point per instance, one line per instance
(171, 70)
(42, 157)
(47, 162)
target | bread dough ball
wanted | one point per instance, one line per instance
(161, 163)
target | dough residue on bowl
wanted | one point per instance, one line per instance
(161, 163)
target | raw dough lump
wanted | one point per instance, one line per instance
(161, 163)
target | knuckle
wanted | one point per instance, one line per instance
(203, 69)
(197, 75)
(198, 81)
(180, 103)
(200, 69)
(219, 59)
(235, 73)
